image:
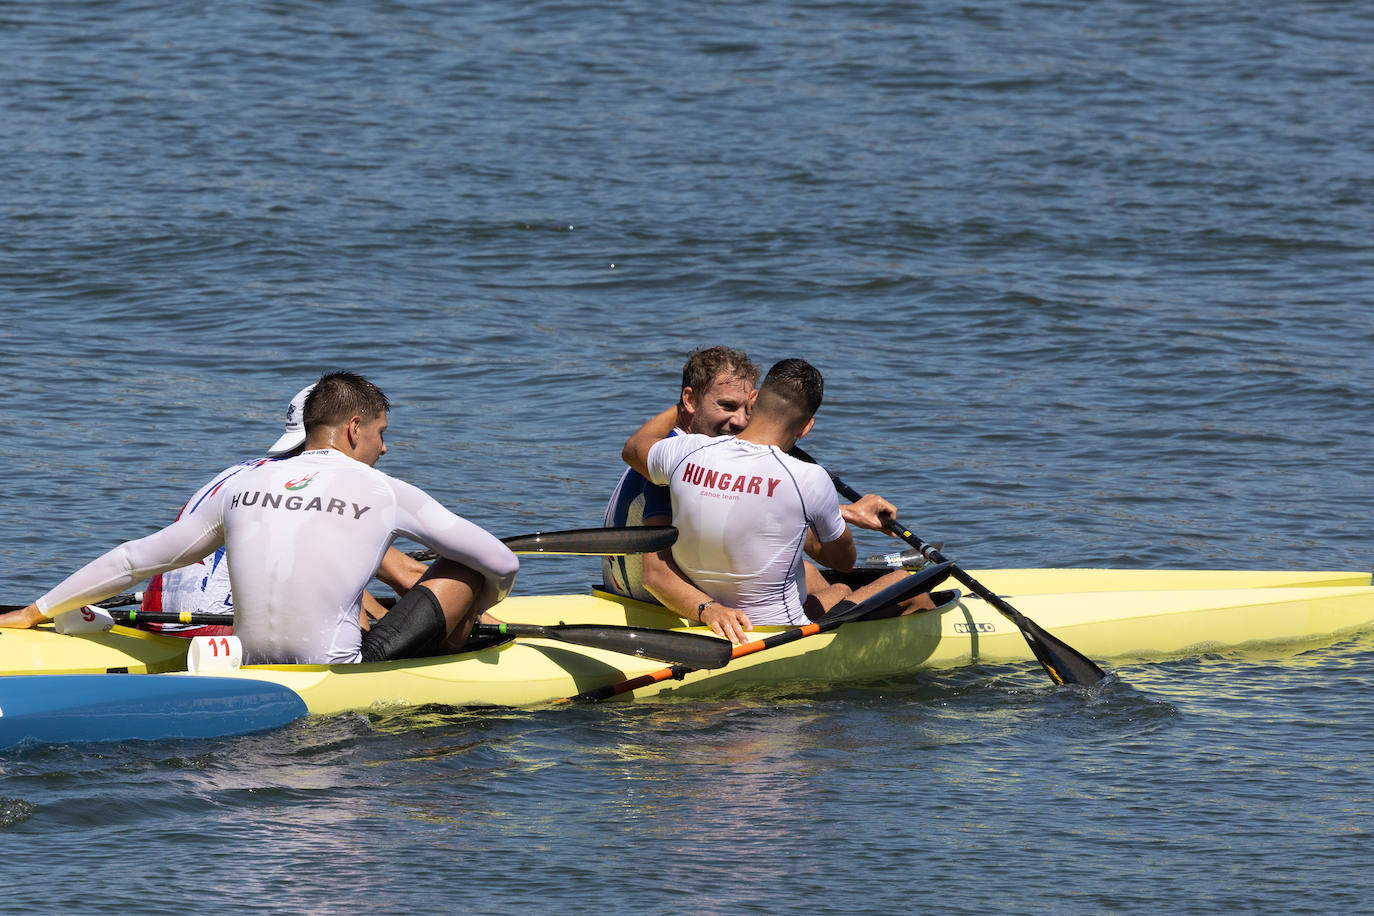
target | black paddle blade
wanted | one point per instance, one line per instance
(1061, 661)
(923, 580)
(596, 542)
(586, 542)
(690, 649)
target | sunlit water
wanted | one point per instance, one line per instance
(1089, 285)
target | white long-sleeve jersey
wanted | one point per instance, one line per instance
(304, 536)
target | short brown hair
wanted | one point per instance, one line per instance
(337, 396)
(794, 388)
(705, 363)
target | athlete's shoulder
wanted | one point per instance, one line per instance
(401, 490)
(666, 453)
(682, 442)
(218, 482)
(805, 470)
(246, 465)
(810, 478)
(818, 490)
(334, 460)
(636, 498)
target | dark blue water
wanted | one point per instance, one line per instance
(1089, 283)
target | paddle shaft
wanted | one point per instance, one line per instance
(681, 671)
(841, 613)
(692, 649)
(587, 542)
(646, 642)
(928, 551)
(577, 542)
(189, 618)
(1061, 662)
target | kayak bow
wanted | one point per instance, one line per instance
(72, 708)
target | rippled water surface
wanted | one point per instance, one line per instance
(1089, 283)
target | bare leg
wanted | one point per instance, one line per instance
(372, 611)
(434, 615)
(818, 602)
(821, 594)
(919, 602)
(832, 595)
(456, 586)
(815, 579)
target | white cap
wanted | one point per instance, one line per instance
(295, 424)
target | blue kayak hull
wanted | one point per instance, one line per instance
(69, 708)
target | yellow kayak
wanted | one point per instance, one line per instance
(1161, 613)
(126, 650)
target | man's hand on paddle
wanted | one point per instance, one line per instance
(727, 623)
(867, 511)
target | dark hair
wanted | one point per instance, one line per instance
(341, 395)
(705, 363)
(794, 387)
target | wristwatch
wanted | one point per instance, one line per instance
(701, 608)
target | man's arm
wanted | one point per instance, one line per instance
(179, 544)
(828, 538)
(455, 538)
(636, 450)
(868, 512)
(654, 566)
(666, 582)
(400, 570)
(837, 554)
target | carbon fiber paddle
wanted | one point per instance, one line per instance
(923, 580)
(583, 542)
(1063, 663)
(692, 649)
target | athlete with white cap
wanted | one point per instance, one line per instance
(306, 533)
(203, 587)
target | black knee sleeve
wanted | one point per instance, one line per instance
(413, 628)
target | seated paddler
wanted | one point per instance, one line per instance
(748, 514)
(719, 387)
(202, 589)
(305, 535)
(717, 393)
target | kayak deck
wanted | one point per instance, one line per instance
(1050, 580)
(1102, 625)
(1161, 612)
(122, 650)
